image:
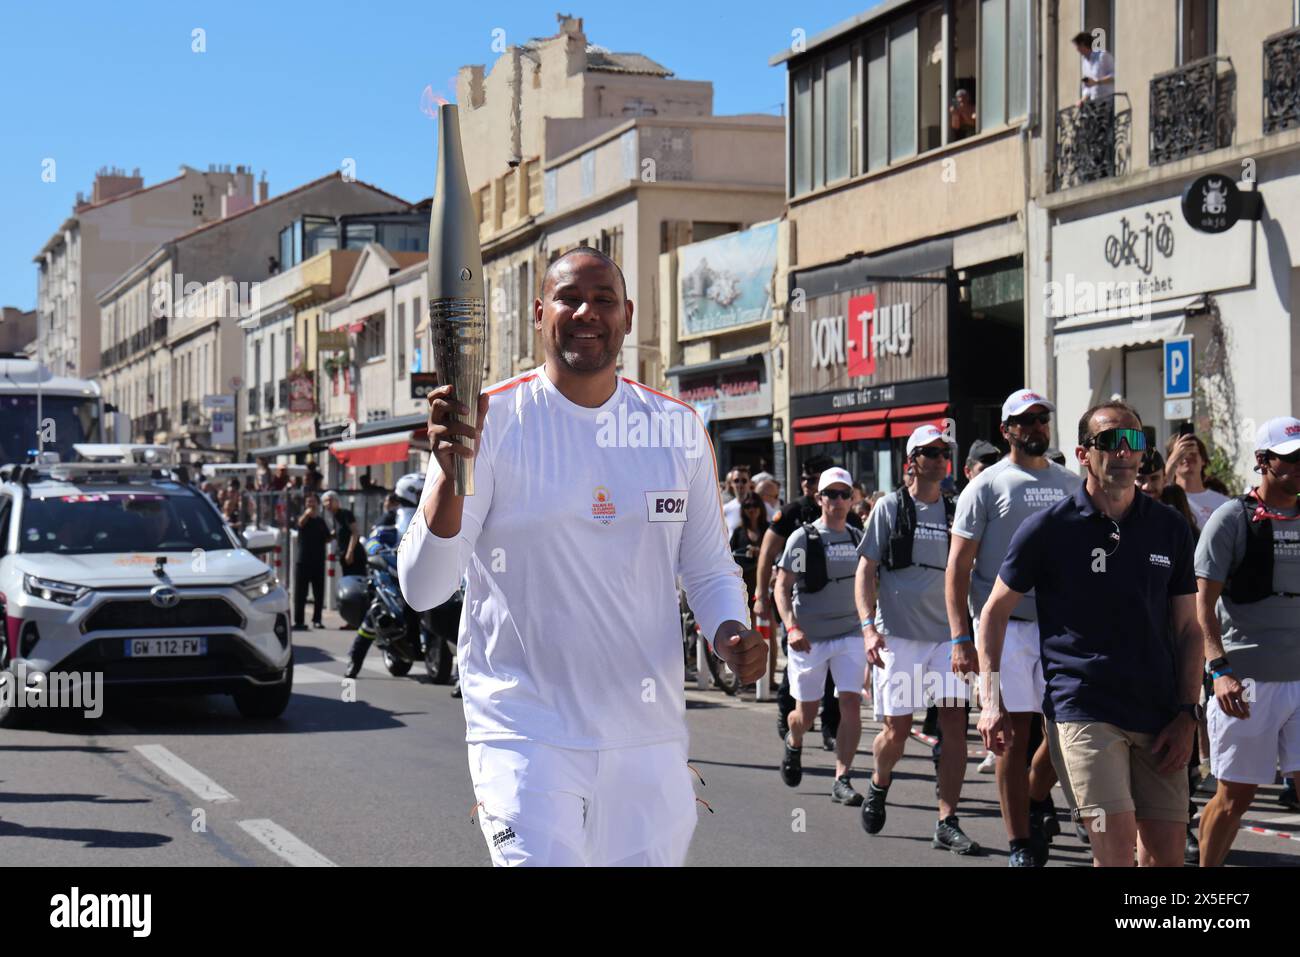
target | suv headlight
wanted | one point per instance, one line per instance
(62, 592)
(259, 586)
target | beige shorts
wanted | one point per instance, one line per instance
(1111, 771)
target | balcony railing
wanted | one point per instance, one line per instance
(1282, 81)
(1093, 140)
(1193, 109)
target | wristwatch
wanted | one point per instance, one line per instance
(1218, 665)
(1195, 710)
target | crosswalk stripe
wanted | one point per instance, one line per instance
(285, 844)
(191, 777)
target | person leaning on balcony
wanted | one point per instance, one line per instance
(1098, 69)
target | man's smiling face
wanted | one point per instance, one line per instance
(583, 315)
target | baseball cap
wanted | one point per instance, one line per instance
(762, 477)
(832, 476)
(1022, 399)
(1280, 435)
(980, 449)
(923, 435)
(1152, 461)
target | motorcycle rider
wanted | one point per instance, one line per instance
(408, 490)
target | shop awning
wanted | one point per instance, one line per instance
(871, 424)
(1115, 335)
(374, 450)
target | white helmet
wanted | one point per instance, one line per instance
(410, 488)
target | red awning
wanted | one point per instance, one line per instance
(904, 420)
(375, 450)
(815, 436)
(856, 433)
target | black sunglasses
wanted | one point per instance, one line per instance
(933, 453)
(1029, 418)
(1109, 440)
(832, 493)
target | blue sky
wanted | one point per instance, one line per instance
(293, 88)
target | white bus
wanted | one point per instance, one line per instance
(72, 411)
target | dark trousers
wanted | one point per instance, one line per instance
(304, 575)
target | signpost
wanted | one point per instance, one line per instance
(1213, 203)
(1178, 378)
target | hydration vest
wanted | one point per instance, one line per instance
(1252, 580)
(898, 550)
(815, 575)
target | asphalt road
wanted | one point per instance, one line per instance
(382, 780)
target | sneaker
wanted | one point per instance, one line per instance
(930, 725)
(948, 836)
(318, 624)
(873, 809)
(1039, 845)
(1288, 797)
(1022, 855)
(1081, 832)
(782, 726)
(352, 670)
(1044, 813)
(989, 764)
(1192, 849)
(792, 765)
(828, 741)
(842, 792)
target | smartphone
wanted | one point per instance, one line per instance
(1186, 429)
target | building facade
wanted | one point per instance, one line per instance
(1201, 89)
(122, 222)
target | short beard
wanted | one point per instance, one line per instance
(586, 365)
(1032, 446)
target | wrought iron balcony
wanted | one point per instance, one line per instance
(1193, 109)
(1093, 140)
(1282, 81)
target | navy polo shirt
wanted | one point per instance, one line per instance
(1103, 607)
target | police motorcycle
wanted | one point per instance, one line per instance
(373, 603)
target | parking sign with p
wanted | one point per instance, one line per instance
(1178, 368)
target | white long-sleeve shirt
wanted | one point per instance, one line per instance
(581, 523)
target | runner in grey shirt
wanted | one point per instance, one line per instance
(910, 599)
(1248, 603)
(989, 511)
(822, 626)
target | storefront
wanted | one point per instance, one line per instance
(734, 400)
(1128, 273)
(885, 344)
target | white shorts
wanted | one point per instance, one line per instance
(916, 675)
(1020, 680)
(559, 807)
(1250, 750)
(845, 658)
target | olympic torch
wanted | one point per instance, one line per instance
(457, 318)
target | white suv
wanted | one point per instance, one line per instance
(123, 572)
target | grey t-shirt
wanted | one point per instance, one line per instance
(992, 507)
(910, 600)
(830, 612)
(1261, 637)
(1204, 504)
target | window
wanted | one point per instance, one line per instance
(902, 89)
(993, 60)
(401, 340)
(963, 66)
(286, 246)
(801, 122)
(877, 103)
(1017, 58)
(818, 125)
(933, 114)
(524, 341)
(320, 234)
(357, 235)
(370, 340)
(1099, 15)
(837, 115)
(404, 237)
(1196, 30)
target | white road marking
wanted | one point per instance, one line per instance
(284, 844)
(307, 675)
(194, 779)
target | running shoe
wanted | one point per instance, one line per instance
(1022, 856)
(1288, 797)
(828, 741)
(842, 792)
(948, 836)
(1044, 813)
(792, 765)
(873, 809)
(782, 725)
(1192, 849)
(988, 765)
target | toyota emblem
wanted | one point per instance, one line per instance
(164, 596)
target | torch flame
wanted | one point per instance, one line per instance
(430, 101)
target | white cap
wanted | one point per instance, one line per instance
(834, 476)
(922, 436)
(1022, 399)
(1280, 435)
(762, 477)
